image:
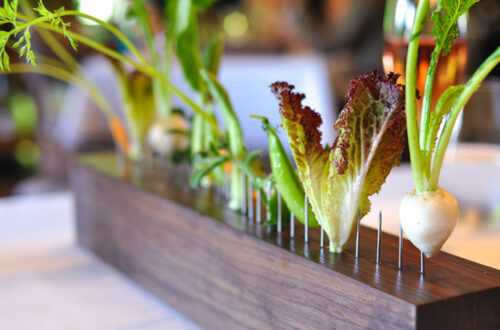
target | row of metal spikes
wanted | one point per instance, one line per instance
(247, 209)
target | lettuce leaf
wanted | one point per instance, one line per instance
(339, 180)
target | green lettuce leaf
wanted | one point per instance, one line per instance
(339, 180)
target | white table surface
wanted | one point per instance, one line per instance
(48, 282)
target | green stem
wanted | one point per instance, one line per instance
(471, 86)
(411, 102)
(145, 68)
(427, 97)
(66, 76)
(111, 28)
(160, 93)
(52, 42)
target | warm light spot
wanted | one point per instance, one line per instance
(235, 24)
(100, 9)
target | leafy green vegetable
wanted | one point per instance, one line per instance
(188, 53)
(205, 166)
(213, 54)
(428, 144)
(339, 180)
(287, 180)
(445, 29)
(9, 14)
(138, 98)
(235, 135)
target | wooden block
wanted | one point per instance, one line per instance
(225, 272)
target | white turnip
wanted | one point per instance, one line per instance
(428, 219)
(429, 214)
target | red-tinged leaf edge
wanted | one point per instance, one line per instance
(291, 108)
(383, 88)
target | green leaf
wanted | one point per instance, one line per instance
(203, 4)
(188, 53)
(204, 166)
(178, 14)
(443, 108)
(138, 99)
(301, 125)
(339, 181)
(213, 54)
(445, 19)
(10, 10)
(233, 127)
(5, 65)
(235, 135)
(252, 157)
(55, 20)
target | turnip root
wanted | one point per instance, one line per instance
(166, 137)
(428, 219)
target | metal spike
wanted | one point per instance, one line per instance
(258, 207)
(279, 210)
(357, 234)
(244, 199)
(322, 239)
(400, 254)
(379, 236)
(292, 225)
(306, 223)
(422, 263)
(250, 199)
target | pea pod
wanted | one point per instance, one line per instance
(286, 178)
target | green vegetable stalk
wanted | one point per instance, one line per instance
(286, 177)
(137, 90)
(235, 135)
(163, 98)
(428, 144)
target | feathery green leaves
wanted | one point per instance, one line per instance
(55, 19)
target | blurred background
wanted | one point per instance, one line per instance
(318, 45)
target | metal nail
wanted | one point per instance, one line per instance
(357, 234)
(306, 223)
(379, 236)
(279, 210)
(292, 225)
(258, 207)
(422, 263)
(322, 239)
(400, 254)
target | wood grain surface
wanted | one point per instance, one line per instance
(227, 272)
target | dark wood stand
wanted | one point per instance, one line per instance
(225, 272)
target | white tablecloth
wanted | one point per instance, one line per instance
(48, 282)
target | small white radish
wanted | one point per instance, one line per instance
(165, 137)
(428, 219)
